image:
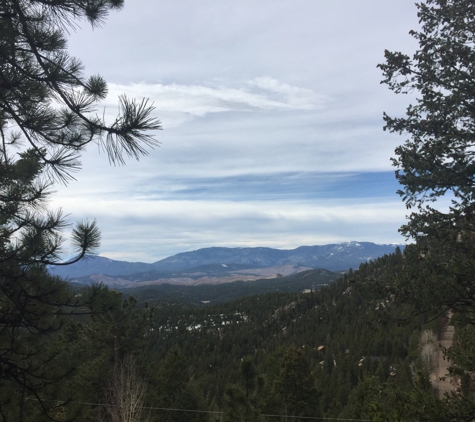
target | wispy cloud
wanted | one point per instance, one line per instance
(272, 113)
(296, 97)
(263, 93)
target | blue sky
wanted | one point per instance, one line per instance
(272, 125)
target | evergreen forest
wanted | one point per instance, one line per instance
(358, 346)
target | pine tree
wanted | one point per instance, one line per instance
(244, 402)
(294, 388)
(47, 117)
(174, 390)
(437, 162)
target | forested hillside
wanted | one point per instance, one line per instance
(336, 339)
(327, 353)
(347, 350)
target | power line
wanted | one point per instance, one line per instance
(155, 408)
(315, 418)
(221, 413)
(215, 412)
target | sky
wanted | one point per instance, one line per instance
(272, 125)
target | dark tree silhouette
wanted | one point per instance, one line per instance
(47, 117)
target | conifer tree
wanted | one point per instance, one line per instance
(436, 164)
(243, 402)
(436, 167)
(47, 117)
(174, 391)
(294, 388)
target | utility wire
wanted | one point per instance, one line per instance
(154, 408)
(315, 418)
(221, 413)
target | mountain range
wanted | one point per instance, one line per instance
(220, 265)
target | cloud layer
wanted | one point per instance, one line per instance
(262, 93)
(272, 118)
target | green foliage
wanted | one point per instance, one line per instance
(218, 357)
(438, 158)
(294, 388)
(437, 161)
(45, 95)
(33, 305)
(112, 339)
(271, 328)
(243, 402)
(48, 104)
(174, 390)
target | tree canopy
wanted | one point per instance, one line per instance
(439, 157)
(47, 117)
(436, 168)
(436, 164)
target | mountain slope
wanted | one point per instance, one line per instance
(205, 274)
(333, 257)
(220, 293)
(100, 265)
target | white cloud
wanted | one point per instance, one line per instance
(199, 100)
(244, 88)
(300, 98)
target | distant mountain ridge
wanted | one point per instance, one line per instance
(332, 257)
